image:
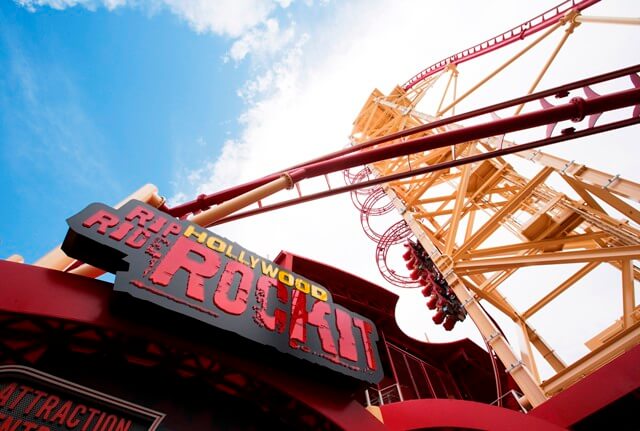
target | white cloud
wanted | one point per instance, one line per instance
(266, 40)
(250, 24)
(303, 105)
(308, 89)
(279, 76)
(231, 18)
(224, 17)
(32, 5)
(284, 3)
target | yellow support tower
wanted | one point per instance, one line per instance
(481, 223)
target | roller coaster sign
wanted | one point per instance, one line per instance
(31, 400)
(190, 270)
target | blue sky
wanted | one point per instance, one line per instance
(99, 97)
(96, 103)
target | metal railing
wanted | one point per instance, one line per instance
(379, 397)
(512, 393)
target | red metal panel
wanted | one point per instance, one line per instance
(433, 413)
(30, 290)
(611, 382)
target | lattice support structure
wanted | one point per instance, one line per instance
(557, 229)
(478, 217)
(482, 222)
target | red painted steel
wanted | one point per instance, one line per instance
(601, 388)
(394, 236)
(568, 135)
(577, 109)
(372, 208)
(432, 168)
(459, 414)
(33, 291)
(534, 25)
(86, 301)
(204, 202)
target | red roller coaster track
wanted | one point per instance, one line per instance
(573, 110)
(519, 32)
(204, 202)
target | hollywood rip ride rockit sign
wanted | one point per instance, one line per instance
(190, 270)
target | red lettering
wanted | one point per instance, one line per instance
(109, 423)
(99, 421)
(178, 257)
(278, 321)
(365, 330)
(222, 298)
(92, 413)
(6, 392)
(62, 413)
(138, 238)
(317, 318)
(36, 398)
(142, 214)
(47, 406)
(9, 424)
(173, 229)
(24, 390)
(157, 224)
(72, 421)
(298, 323)
(104, 219)
(121, 231)
(346, 340)
(13, 424)
(29, 426)
(123, 425)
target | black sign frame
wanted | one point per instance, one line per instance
(35, 400)
(190, 270)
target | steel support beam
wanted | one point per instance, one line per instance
(628, 294)
(561, 288)
(496, 264)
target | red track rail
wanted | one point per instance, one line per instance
(574, 110)
(394, 236)
(204, 202)
(517, 33)
(569, 135)
(371, 208)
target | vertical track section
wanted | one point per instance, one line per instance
(519, 32)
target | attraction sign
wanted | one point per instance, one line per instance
(188, 269)
(31, 400)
